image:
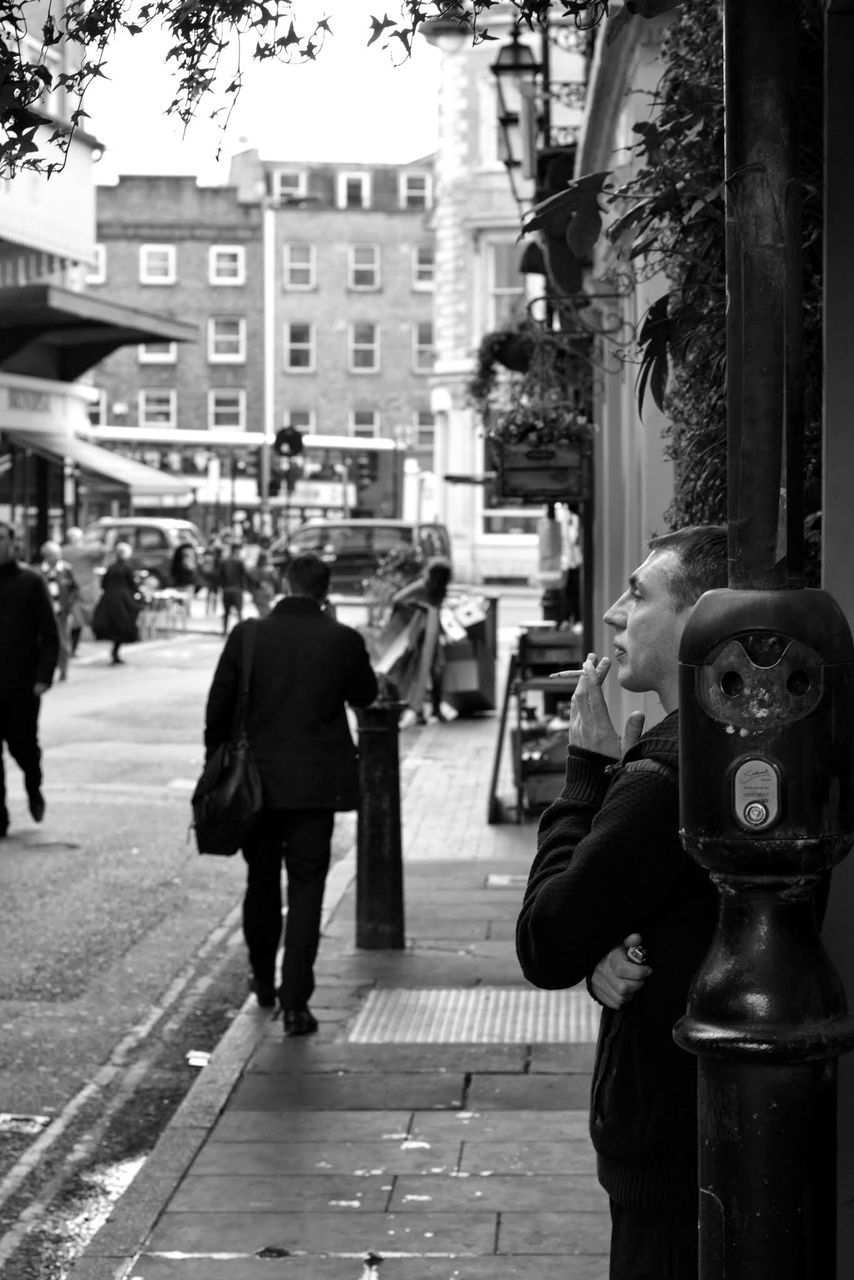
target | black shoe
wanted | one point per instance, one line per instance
(37, 806)
(299, 1022)
(265, 993)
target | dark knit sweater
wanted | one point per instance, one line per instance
(609, 862)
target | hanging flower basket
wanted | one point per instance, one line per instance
(531, 473)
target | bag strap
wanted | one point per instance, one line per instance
(246, 653)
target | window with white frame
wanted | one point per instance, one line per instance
(157, 264)
(364, 347)
(364, 266)
(97, 409)
(422, 346)
(364, 422)
(299, 420)
(423, 266)
(158, 407)
(354, 191)
(505, 282)
(425, 429)
(299, 346)
(227, 264)
(289, 184)
(157, 352)
(97, 273)
(226, 339)
(299, 269)
(226, 408)
(415, 190)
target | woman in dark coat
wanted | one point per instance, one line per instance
(117, 610)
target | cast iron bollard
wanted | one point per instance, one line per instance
(379, 857)
(766, 713)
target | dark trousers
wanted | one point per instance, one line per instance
(303, 837)
(653, 1246)
(19, 725)
(232, 599)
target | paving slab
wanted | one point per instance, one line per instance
(282, 1056)
(570, 1156)
(394, 1155)
(506, 1193)
(324, 1092)
(493, 1092)
(561, 1058)
(311, 1126)
(496, 1126)
(547, 1232)
(562, 1267)
(276, 1193)
(358, 1233)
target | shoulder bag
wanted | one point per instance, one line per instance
(228, 796)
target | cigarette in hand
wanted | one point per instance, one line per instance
(565, 675)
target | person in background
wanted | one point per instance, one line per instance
(209, 568)
(84, 559)
(184, 573)
(29, 647)
(614, 899)
(306, 668)
(415, 615)
(63, 591)
(117, 611)
(234, 582)
(264, 580)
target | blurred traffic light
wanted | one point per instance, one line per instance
(288, 442)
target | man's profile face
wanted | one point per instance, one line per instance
(648, 629)
(7, 544)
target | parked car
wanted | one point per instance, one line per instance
(152, 541)
(354, 548)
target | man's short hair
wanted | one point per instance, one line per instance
(702, 552)
(308, 575)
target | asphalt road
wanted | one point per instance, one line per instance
(121, 961)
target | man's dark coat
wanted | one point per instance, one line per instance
(29, 640)
(305, 667)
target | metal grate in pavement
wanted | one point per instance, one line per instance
(476, 1015)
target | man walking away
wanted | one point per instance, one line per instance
(29, 647)
(234, 581)
(613, 898)
(305, 668)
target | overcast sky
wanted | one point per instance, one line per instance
(352, 104)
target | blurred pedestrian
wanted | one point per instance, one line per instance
(209, 568)
(264, 580)
(410, 646)
(118, 609)
(234, 582)
(29, 646)
(84, 559)
(63, 591)
(184, 573)
(305, 668)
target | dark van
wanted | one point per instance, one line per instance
(354, 548)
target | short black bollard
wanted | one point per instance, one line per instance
(379, 854)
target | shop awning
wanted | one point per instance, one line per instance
(64, 333)
(144, 483)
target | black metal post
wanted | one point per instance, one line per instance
(763, 268)
(379, 850)
(767, 759)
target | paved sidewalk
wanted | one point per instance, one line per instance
(434, 1129)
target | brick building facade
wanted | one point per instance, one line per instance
(352, 311)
